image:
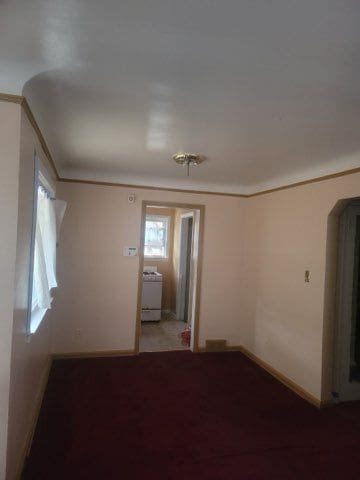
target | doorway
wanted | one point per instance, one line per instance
(183, 288)
(169, 276)
(347, 344)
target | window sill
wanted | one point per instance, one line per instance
(156, 259)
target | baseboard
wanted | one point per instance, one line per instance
(275, 373)
(281, 377)
(30, 434)
(96, 354)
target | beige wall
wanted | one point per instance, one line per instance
(29, 360)
(95, 308)
(165, 266)
(9, 161)
(282, 316)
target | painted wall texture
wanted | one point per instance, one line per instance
(286, 234)
(29, 360)
(9, 187)
(95, 308)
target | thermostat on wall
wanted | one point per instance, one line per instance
(130, 251)
(131, 198)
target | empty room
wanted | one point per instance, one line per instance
(180, 242)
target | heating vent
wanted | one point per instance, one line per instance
(215, 345)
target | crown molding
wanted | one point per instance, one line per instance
(21, 100)
(322, 178)
(8, 97)
(150, 187)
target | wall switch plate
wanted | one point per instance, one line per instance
(130, 251)
(307, 276)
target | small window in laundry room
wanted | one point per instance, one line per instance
(157, 236)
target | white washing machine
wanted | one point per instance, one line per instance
(151, 295)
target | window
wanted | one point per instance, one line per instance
(42, 276)
(156, 236)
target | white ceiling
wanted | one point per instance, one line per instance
(268, 91)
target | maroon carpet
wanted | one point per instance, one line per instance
(178, 415)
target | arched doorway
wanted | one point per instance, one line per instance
(346, 381)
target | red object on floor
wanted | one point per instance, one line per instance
(185, 416)
(185, 336)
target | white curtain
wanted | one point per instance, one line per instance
(60, 207)
(48, 220)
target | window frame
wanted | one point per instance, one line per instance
(167, 219)
(35, 315)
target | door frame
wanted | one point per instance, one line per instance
(342, 387)
(201, 209)
(179, 288)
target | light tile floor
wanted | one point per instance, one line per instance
(162, 336)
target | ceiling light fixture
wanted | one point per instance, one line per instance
(188, 159)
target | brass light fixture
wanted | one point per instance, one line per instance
(188, 159)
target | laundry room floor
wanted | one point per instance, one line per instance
(162, 336)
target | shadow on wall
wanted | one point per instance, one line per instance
(52, 95)
(80, 112)
(42, 93)
(330, 297)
